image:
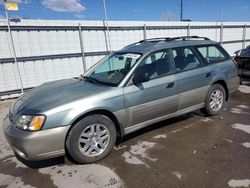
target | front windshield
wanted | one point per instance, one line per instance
(114, 68)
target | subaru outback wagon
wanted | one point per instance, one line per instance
(144, 83)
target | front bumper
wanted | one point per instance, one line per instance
(37, 145)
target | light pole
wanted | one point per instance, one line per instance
(106, 23)
(181, 11)
(12, 45)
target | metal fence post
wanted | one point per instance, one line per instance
(145, 32)
(106, 37)
(221, 33)
(13, 47)
(82, 47)
(244, 36)
(106, 25)
(188, 30)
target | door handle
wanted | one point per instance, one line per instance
(208, 74)
(170, 85)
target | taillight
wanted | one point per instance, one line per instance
(235, 62)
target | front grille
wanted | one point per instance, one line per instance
(244, 64)
(247, 65)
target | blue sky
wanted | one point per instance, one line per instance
(195, 10)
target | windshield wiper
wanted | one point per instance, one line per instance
(87, 78)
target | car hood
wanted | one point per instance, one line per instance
(54, 94)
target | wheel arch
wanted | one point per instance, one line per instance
(109, 114)
(224, 84)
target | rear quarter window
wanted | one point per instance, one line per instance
(213, 53)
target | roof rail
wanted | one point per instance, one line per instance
(155, 39)
(189, 37)
(167, 39)
(149, 40)
(172, 38)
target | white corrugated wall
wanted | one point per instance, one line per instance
(50, 42)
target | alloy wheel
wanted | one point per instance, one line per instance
(94, 140)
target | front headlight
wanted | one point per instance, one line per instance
(31, 123)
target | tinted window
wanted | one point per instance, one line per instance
(157, 64)
(212, 54)
(185, 59)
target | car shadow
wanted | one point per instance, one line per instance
(43, 163)
(160, 125)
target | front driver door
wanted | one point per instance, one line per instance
(149, 101)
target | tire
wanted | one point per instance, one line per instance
(212, 110)
(91, 139)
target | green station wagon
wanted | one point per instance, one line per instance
(144, 83)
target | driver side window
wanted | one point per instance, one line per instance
(156, 65)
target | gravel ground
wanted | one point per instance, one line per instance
(188, 151)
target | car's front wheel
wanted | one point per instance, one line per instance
(91, 139)
(215, 100)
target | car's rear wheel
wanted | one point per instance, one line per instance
(215, 100)
(91, 139)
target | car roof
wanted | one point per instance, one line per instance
(148, 45)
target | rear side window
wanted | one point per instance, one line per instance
(185, 59)
(212, 54)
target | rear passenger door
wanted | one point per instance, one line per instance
(156, 97)
(192, 77)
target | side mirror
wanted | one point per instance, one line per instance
(140, 76)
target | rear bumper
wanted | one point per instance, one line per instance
(37, 145)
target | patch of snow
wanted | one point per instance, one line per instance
(119, 147)
(207, 119)
(90, 176)
(5, 149)
(246, 144)
(245, 128)
(239, 111)
(160, 136)
(177, 130)
(12, 182)
(138, 153)
(177, 174)
(228, 140)
(243, 106)
(141, 148)
(239, 183)
(131, 159)
(185, 127)
(244, 89)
